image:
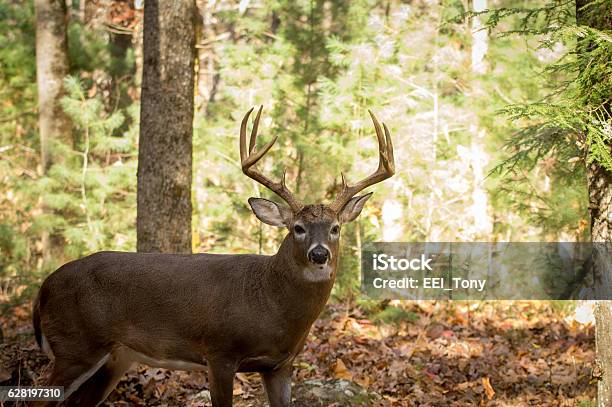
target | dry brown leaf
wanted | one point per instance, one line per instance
(340, 370)
(4, 375)
(149, 388)
(463, 386)
(22, 313)
(237, 390)
(435, 331)
(486, 383)
(363, 381)
(243, 378)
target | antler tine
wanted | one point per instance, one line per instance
(250, 157)
(386, 167)
(253, 139)
(391, 158)
(245, 121)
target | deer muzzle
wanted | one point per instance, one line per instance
(319, 255)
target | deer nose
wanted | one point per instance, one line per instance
(318, 255)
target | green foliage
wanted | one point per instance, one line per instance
(18, 139)
(568, 125)
(571, 124)
(573, 121)
(563, 307)
(17, 63)
(98, 181)
(394, 315)
(538, 19)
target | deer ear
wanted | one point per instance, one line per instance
(353, 208)
(270, 212)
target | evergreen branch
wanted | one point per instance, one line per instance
(17, 115)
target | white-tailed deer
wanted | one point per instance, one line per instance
(226, 313)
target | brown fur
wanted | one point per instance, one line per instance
(228, 312)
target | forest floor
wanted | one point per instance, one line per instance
(422, 354)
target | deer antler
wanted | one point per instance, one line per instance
(251, 156)
(386, 168)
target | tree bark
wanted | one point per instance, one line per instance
(138, 52)
(478, 157)
(166, 127)
(208, 76)
(480, 39)
(51, 69)
(603, 322)
(600, 203)
(599, 181)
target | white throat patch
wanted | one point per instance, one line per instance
(317, 272)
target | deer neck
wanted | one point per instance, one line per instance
(303, 300)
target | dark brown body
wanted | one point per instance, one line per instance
(247, 312)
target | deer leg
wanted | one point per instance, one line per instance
(68, 373)
(221, 383)
(278, 386)
(97, 388)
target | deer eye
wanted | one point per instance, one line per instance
(298, 230)
(335, 230)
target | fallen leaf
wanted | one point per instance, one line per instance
(340, 370)
(4, 375)
(435, 331)
(243, 378)
(486, 383)
(463, 386)
(237, 390)
(363, 382)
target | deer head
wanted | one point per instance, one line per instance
(314, 229)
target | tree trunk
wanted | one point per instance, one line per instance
(603, 321)
(120, 72)
(138, 52)
(599, 182)
(166, 127)
(600, 207)
(600, 204)
(480, 38)
(208, 77)
(51, 69)
(478, 157)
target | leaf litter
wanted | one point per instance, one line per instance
(449, 354)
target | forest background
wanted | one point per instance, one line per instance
(439, 78)
(494, 122)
